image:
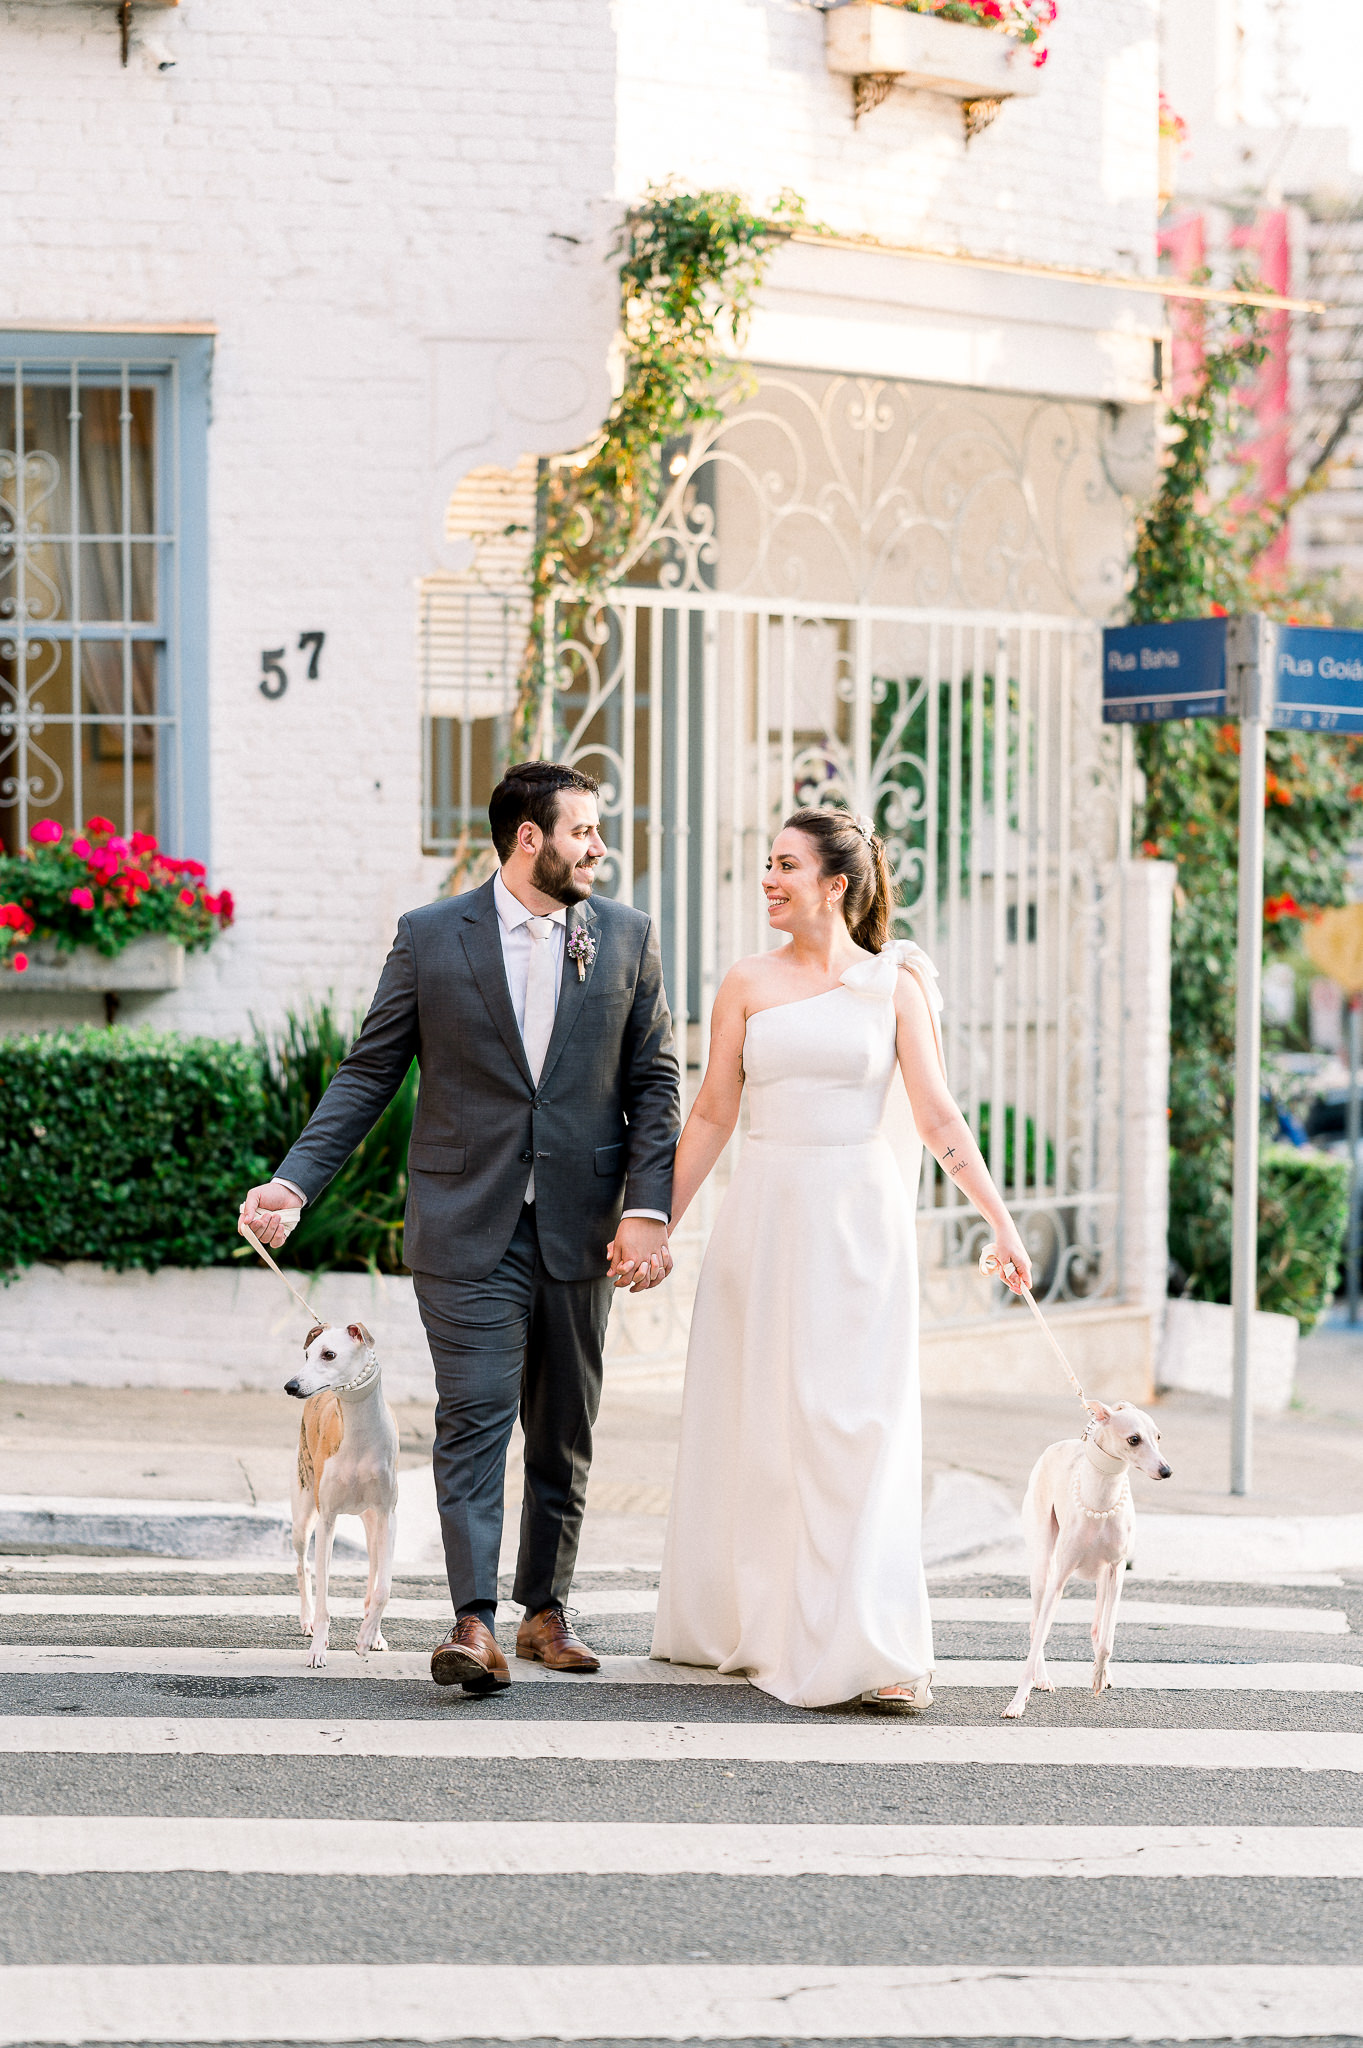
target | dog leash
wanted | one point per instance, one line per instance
(991, 1264)
(289, 1216)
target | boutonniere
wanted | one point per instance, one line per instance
(582, 948)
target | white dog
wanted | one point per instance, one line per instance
(347, 1465)
(1080, 1518)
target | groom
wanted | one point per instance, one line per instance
(548, 1104)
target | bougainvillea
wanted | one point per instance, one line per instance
(102, 890)
(1025, 20)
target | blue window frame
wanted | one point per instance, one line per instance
(104, 584)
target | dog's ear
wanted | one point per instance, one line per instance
(360, 1334)
(1099, 1413)
(315, 1331)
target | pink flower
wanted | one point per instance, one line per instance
(81, 848)
(19, 962)
(188, 898)
(118, 846)
(83, 899)
(46, 832)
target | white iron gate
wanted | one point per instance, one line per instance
(974, 740)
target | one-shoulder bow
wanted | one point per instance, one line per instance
(876, 977)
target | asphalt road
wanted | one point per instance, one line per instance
(127, 1934)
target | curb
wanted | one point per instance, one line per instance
(157, 1528)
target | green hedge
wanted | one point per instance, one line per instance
(1303, 1215)
(133, 1149)
(126, 1148)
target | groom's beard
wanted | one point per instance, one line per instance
(554, 876)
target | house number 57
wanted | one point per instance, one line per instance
(274, 677)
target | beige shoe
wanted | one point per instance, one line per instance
(900, 1699)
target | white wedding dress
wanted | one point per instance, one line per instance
(793, 1549)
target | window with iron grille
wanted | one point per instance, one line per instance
(103, 643)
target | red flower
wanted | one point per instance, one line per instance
(46, 832)
(11, 917)
(226, 907)
(213, 905)
(136, 878)
(188, 898)
(83, 899)
(19, 962)
(1150, 849)
(1282, 906)
(99, 824)
(193, 867)
(1219, 612)
(143, 843)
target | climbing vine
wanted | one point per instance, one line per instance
(1198, 553)
(691, 263)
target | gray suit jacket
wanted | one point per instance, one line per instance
(600, 1126)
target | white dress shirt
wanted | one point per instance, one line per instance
(512, 920)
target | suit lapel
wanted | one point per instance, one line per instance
(481, 932)
(572, 990)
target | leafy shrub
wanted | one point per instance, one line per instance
(357, 1221)
(1303, 1214)
(125, 1147)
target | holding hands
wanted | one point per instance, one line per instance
(639, 1254)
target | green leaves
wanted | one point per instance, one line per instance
(691, 265)
(125, 1148)
(132, 1149)
(1194, 554)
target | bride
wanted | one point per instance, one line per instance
(793, 1549)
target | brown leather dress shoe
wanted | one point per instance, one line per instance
(548, 1638)
(469, 1657)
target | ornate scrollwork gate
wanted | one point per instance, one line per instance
(974, 742)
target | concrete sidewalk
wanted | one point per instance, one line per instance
(210, 1474)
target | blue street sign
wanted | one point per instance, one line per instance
(1320, 680)
(1166, 671)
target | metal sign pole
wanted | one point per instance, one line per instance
(1250, 668)
(1353, 1158)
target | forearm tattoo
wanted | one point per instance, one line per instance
(947, 1158)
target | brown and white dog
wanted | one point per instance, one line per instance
(347, 1465)
(1080, 1520)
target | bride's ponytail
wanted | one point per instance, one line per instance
(851, 847)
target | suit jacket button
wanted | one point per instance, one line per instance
(526, 1158)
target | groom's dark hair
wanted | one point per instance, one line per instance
(530, 791)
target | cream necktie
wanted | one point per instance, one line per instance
(541, 1000)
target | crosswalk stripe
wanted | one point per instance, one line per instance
(813, 1741)
(38, 1659)
(60, 1844)
(596, 1601)
(421, 2002)
(1321, 1621)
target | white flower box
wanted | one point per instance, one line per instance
(869, 40)
(146, 965)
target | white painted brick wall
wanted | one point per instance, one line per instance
(370, 198)
(737, 93)
(334, 186)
